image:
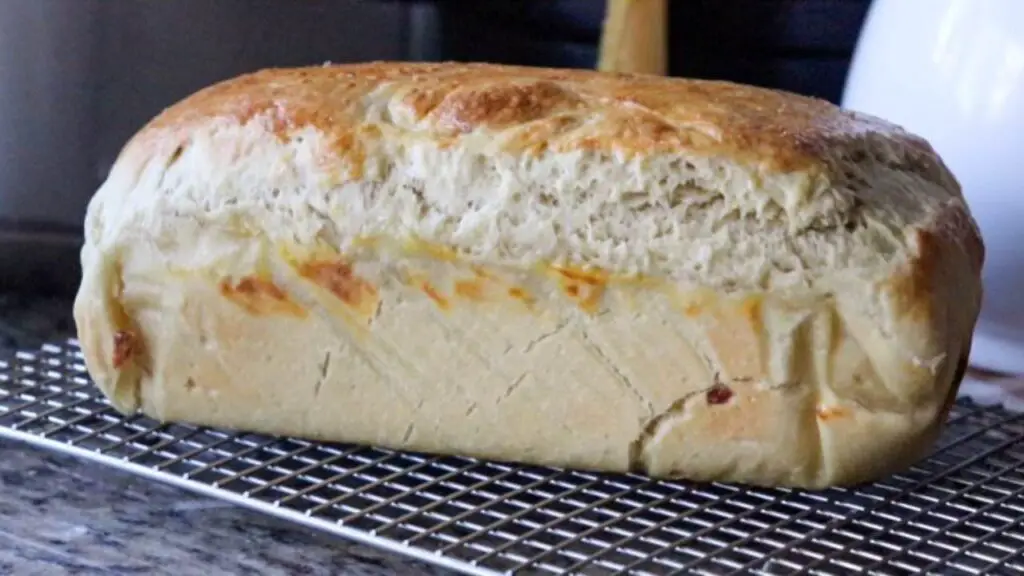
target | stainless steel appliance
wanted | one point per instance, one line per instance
(78, 77)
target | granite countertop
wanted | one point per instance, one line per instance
(61, 515)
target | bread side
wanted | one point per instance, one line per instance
(683, 278)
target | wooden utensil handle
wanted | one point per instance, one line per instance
(634, 37)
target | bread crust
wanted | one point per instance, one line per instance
(639, 114)
(681, 278)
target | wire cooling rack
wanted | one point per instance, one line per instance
(958, 512)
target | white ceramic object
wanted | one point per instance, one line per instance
(953, 72)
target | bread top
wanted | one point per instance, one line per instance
(537, 110)
(705, 183)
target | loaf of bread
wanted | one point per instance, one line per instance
(680, 278)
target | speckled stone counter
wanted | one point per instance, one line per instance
(60, 515)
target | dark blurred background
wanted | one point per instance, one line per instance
(799, 45)
(80, 76)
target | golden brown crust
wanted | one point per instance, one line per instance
(338, 278)
(554, 109)
(952, 235)
(124, 348)
(756, 287)
(259, 296)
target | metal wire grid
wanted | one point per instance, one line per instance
(959, 512)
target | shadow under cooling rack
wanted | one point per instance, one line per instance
(958, 512)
